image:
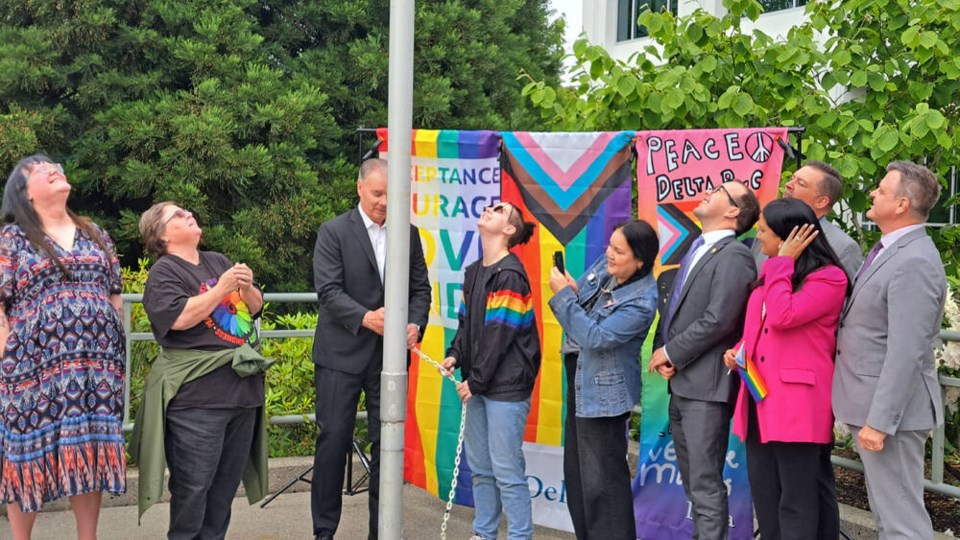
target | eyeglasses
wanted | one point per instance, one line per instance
(48, 168)
(727, 193)
(180, 213)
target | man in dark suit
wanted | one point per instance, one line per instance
(885, 384)
(349, 270)
(701, 316)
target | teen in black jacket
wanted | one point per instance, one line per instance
(497, 349)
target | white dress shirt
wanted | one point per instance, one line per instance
(378, 239)
(709, 239)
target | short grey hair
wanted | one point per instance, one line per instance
(372, 165)
(919, 185)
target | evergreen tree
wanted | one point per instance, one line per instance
(243, 111)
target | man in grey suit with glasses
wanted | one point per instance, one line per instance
(701, 316)
(885, 384)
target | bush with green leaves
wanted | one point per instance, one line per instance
(872, 81)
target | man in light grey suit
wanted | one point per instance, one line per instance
(885, 384)
(701, 316)
(820, 185)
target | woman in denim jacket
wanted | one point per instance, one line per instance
(605, 315)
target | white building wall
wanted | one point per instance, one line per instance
(600, 23)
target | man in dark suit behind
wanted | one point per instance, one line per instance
(701, 316)
(348, 270)
(820, 186)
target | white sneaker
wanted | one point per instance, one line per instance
(477, 537)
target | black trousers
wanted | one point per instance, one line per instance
(337, 396)
(207, 451)
(793, 493)
(596, 472)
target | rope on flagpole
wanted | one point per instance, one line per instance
(456, 461)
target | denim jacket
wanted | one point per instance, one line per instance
(610, 336)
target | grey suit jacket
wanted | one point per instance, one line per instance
(708, 321)
(348, 285)
(849, 251)
(885, 375)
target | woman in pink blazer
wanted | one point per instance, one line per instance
(790, 334)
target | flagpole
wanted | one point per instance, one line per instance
(393, 378)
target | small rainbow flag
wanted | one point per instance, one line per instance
(747, 369)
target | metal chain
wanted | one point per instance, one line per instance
(456, 461)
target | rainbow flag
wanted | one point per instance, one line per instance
(576, 187)
(747, 369)
(454, 175)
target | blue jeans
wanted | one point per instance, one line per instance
(493, 437)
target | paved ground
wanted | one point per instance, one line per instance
(286, 518)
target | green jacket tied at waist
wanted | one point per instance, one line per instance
(172, 369)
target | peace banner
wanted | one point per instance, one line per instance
(674, 170)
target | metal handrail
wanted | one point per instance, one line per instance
(131, 298)
(934, 484)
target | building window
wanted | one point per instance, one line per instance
(629, 10)
(777, 5)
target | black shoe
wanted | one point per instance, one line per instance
(324, 536)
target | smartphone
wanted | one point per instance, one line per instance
(558, 261)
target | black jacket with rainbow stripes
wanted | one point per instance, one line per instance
(497, 345)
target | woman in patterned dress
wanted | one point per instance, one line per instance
(63, 364)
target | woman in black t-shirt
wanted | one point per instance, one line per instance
(197, 302)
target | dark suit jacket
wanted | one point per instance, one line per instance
(348, 285)
(708, 321)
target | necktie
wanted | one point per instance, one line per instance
(678, 284)
(870, 257)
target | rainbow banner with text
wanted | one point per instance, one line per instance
(454, 176)
(674, 170)
(576, 187)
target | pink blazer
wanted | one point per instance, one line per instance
(794, 353)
